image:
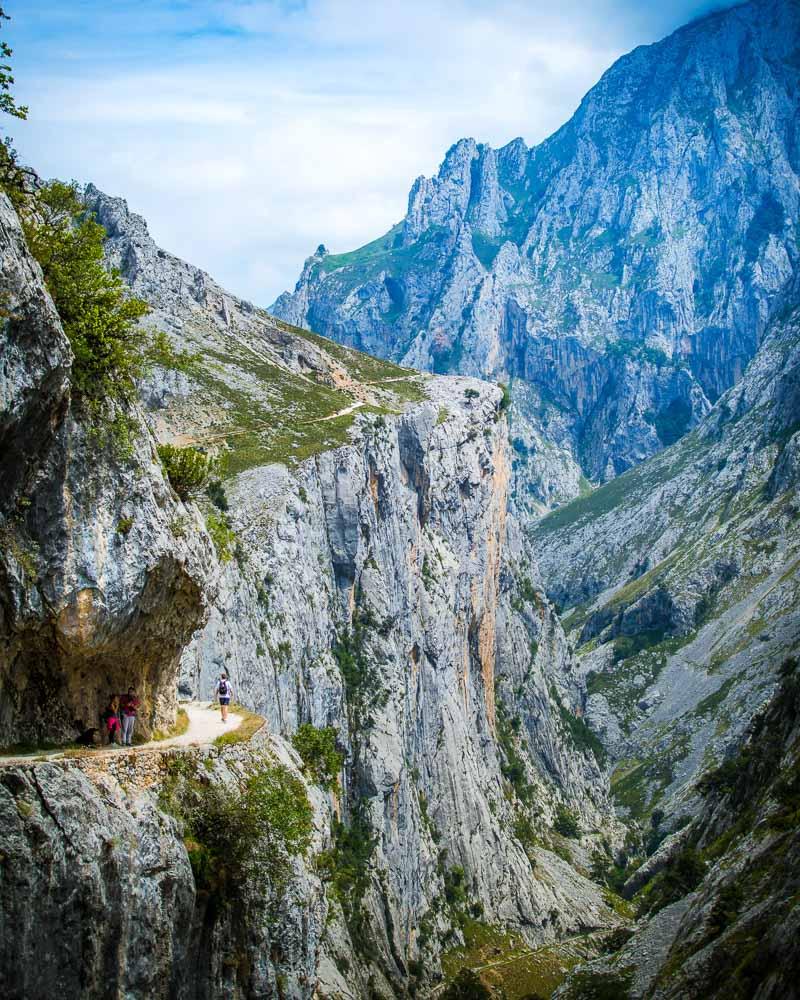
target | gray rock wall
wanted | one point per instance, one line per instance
(98, 898)
(405, 534)
(99, 586)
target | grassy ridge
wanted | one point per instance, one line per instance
(270, 414)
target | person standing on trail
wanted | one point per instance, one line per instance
(130, 708)
(110, 717)
(223, 692)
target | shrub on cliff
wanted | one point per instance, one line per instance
(505, 399)
(222, 535)
(188, 469)
(466, 986)
(238, 834)
(681, 875)
(317, 747)
(566, 822)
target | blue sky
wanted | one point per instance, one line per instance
(249, 131)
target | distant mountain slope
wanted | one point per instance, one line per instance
(681, 581)
(722, 893)
(621, 273)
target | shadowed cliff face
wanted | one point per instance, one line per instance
(96, 591)
(621, 273)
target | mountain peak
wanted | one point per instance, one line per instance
(652, 247)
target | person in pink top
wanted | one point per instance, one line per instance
(110, 719)
(130, 708)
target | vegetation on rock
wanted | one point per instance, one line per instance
(100, 317)
(317, 747)
(189, 470)
(241, 834)
(466, 986)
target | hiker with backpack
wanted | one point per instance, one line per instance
(223, 692)
(130, 709)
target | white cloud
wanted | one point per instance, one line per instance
(249, 132)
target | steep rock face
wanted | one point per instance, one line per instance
(680, 582)
(380, 587)
(96, 590)
(36, 358)
(399, 548)
(621, 274)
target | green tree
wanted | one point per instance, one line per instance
(466, 986)
(100, 317)
(566, 822)
(238, 835)
(13, 178)
(8, 103)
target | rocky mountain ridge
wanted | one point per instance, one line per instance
(679, 582)
(721, 894)
(681, 586)
(620, 274)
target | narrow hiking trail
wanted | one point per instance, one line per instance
(339, 413)
(543, 954)
(205, 725)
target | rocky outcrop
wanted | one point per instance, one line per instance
(99, 895)
(98, 587)
(620, 274)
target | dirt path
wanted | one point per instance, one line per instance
(340, 413)
(263, 425)
(205, 725)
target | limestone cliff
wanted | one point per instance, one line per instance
(378, 586)
(721, 895)
(97, 591)
(394, 549)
